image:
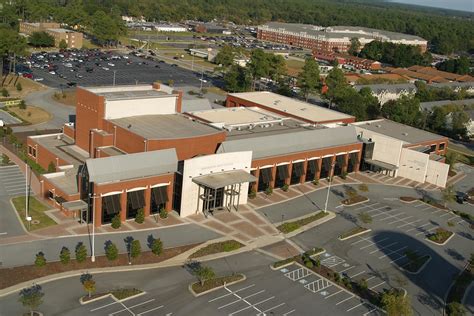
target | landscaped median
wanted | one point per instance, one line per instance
(415, 263)
(36, 210)
(201, 288)
(440, 237)
(294, 225)
(356, 231)
(218, 247)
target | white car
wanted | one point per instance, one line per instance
(105, 68)
(52, 72)
(38, 79)
(110, 64)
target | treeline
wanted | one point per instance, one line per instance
(446, 34)
(459, 66)
(398, 55)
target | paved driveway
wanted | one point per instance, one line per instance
(7, 118)
(12, 183)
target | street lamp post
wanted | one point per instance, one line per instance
(93, 226)
(329, 187)
(114, 77)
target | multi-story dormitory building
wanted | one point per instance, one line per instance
(332, 38)
(131, 148)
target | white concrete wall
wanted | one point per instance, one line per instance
(437, 173)
(119, 88)
(211, 164)
(125, 108)
(413, 165)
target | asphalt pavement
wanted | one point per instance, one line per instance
(12, 183)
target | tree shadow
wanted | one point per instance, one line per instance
(349, 217)
(466, 235)
(338, 193)
(453, 253)
(191, 266)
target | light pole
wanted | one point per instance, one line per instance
(27, 215)
(114, 77)
(202, 77)
(329, 187)
(93, 226)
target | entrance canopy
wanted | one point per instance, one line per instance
(223, 179)
(381, 164)
(75, 205)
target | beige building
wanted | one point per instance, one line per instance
(73, 39)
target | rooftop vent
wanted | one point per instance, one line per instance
(129, 126)
(378, 125)
(405, 134)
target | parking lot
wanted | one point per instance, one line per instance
(7, 118)
(12, 180)
(93, 67)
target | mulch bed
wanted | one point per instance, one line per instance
(354, 200)
(93, 297)
(408, 199)
(12, 276)
(440, 235)
(290, 226)
(415, 265)
(211, 284)
(353, 231)
(218, 247)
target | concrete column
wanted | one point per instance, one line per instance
(331, 170)
(346, 163)
(305, 169)
(147, 194)
(318, 172)
(254, 185)
(98, 211)
(357, 164)
(123, 206)
(272, 183)
(290, 169)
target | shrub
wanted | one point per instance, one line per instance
(40, 260)
(451, 224)
(51, 167)
(111, 251)
(140, 218)
(269, 190)
(309, 264)
(116, 222)
(5, 159)
(81, 252)
(135, 248)
(65, 255)
(315, 181)
(252, 194)
(163, 213)
(343, 175)
(31, 297)
(337, 277)
(157, 246)
(22, 105)
(365, 217)
(363, 284)
(18, 87)
(285, 187)
(88, 283)
(455, 309)
(5, 93)
(204, 274)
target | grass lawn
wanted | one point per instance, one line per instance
(36, 211)
(32, 114)
(294, 66)
(288, 227)
(466, 156)
(27, 86)
(66, 98)
(218, 247)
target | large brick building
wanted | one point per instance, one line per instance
(333, 38)
(73, 39)
(131, 148)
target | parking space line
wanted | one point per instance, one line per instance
(370, 278)
(357, 274)
(372, 244)
(240, 299)
(453, 218)
(130, 307)
(367, 239)
(392, 216)
(240, 310)
(150, 310)
(288, 313)
(370, 311)
(394, 243)
(401, 257)
(373, 287)
(417, 227)
(400, 220)
(345, 300)
(347, 269)
(272, 308)
(365, 205)
(354, 307)
(333, 294)
(265, 300)
(394, 251)
(104, 306)
(427, 231)
(426, 208)
(445, 214)
(385, 213)
(236, 291)
(410, 223)
(438, 211)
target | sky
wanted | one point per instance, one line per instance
(463, 5)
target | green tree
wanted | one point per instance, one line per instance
(5, 92)
(18, 87)
(106, 28)
(204, 273)
(140, 218)
(237, 79)
(335, 80)
(455, 309)
(22, 105)
(405, 110)
(437, 119)
(40, 260)
(396, 303)
(277, 67)
(88, 283)
(308, 78)
(355, 46)
(11, 43)
(31, 297)
(80, 252)
(258, 66)
(372, 105)
(448, 194)
(51, 167)
(41, 39)
(116, 222)
(65, 255)
(459, 122)
(5, 159)
(157, 246)
(225, 56)
(451, 159)
(111, 251)
(62, 44)
(459, 65)
(135, 249)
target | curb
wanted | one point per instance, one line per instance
(282, 266)
(190, 286)
(355, 235)
(444, 243)
(357, 203)
(318, 222)
(82, 302)
(419, 270)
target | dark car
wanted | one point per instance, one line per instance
(461, 197)
(174, 65)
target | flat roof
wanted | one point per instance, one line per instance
(237, 115)
(130, 95)
(111, 150)
(165, 126)
(294, 107)
(223, 179)
(62, 146)
(408, 134)
(66, 182)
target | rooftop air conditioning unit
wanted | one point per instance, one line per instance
(58, 137)
(405, 134)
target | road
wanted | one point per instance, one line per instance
(12, 183)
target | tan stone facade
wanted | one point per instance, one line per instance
(73, 39)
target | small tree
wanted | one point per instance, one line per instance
(40, 260)
(88, 283)
(135, 248)
(204, 274)
(19, 87)
(269, 190)
(31, 297)
(396, 303)
(116, 222)
(5, 159)
(65, 255)
(157, 246)
(51, 167)
(5, 93)
(448, 195)
(81, 252)
(252, 194)
(62, 44)
(363, 284)
(351, 193)
(22, 105)
(455, 309)
(140, 218)
(163, 213)
(111, 251)
(170, 82)
(365, 217)
(285, 187)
